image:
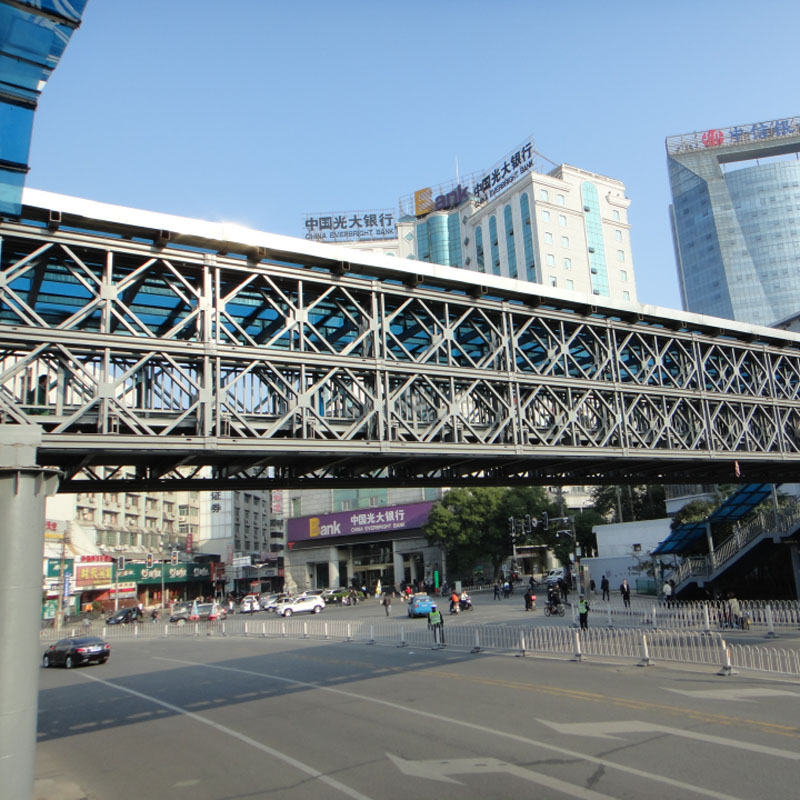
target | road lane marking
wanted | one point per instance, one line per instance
(564, 751)
(610, 730)
(442, 769)
(287, 759)
(740, 695)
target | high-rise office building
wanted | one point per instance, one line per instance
(566, 228)
(735, 217)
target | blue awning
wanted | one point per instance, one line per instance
(683, 538)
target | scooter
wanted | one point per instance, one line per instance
(552, 608)
(465, 605)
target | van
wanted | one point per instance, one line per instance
(555, 575)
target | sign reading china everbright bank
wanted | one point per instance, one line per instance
(359, 521)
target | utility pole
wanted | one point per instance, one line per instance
(62, 581)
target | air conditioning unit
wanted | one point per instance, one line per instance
(181, 519)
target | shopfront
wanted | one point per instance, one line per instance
(375, 547)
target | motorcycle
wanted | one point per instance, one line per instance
(553, 608)
(465, 605)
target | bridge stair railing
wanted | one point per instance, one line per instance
(766, 524)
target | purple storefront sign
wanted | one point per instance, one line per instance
(362, 520)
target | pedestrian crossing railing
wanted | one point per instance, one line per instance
(644, 645)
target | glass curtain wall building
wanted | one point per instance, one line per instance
(735, 218)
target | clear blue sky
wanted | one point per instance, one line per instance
(259, 111)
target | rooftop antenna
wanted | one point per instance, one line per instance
(458, 180)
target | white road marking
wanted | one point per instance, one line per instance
(608, 730)
(441, 769)
(744, 695)
(287, 759)
(564, 751)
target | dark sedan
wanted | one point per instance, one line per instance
(77, 651)
(125, 616)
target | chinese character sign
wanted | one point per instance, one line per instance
(368, 520)
(358, 226)
(506, 172)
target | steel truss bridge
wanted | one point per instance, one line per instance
(165, 353)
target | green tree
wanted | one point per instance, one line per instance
(635, 502)
(471, 524)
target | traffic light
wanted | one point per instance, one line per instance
(174, 557)
(149, 560)
(529, 523)
(545, 521)
(121, 563)
(511, 525)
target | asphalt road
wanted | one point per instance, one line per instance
(240, 718)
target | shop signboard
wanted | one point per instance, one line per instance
(179, 573)
(359, 521)
(54, 567)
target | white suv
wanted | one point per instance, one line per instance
(312, 604)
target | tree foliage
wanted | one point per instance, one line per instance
(471, 524)
(636, 502)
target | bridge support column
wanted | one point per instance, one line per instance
(23, 490)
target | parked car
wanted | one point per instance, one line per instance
(421, 605)
(203, 612)
(554, 576)
(250, 604)
(125, 616)
(76, 651)
(277, 602)
(312, 604)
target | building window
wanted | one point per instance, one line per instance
(551, 259)
(567, 263)
(570, 284)
(553, 281)
(494, 245)
(548, 237)
(560, 199)
(544, 194)
(479, 249)
(545, 216)
(511, 252)
(616, 214)
(562, 220)
(620, 255)
(623, 275)
(565, 241)
(626, 295)
(618, 235)
(527, 236)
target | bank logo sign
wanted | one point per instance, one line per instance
(351, 523)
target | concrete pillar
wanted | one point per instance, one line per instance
(398, 563)
(24, 486)
(333, 570)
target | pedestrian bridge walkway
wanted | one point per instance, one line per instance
(159, 352)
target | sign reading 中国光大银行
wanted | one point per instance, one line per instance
(360, 521)
(505, 172)
(351, 226)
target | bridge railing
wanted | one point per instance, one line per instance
(642, 645)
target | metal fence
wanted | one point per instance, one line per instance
(644, 645)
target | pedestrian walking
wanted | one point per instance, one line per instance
(625, 591)
(583, 613)
(604, 588)
(387, 603)
(497, 591)
(436, 624)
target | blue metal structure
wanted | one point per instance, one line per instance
(33, 37)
